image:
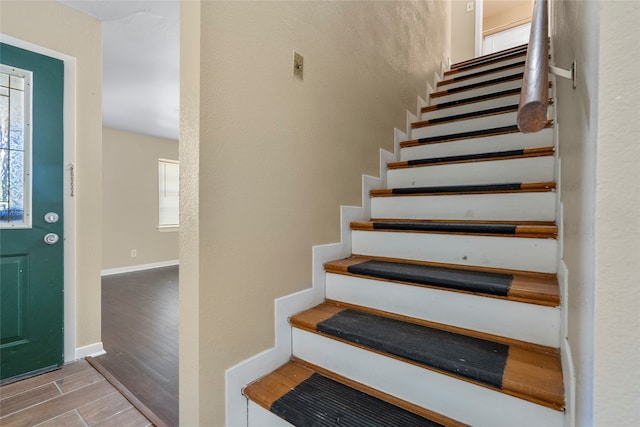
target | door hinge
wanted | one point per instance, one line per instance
(72, 178)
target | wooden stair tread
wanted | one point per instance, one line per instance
(503, 130)
(480, 157)
(471, 100)
(515, 286)
(511, 50)
(484, 61)
(304, 394)
(521, 372)
(476, 228)
(452, 190)
(466, 116)
(490, 82)
(480, 73)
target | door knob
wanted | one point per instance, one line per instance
(51, 239)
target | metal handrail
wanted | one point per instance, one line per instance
(534, 96)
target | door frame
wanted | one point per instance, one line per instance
(478, 29)
(69, 158)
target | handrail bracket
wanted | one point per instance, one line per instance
(566, 74)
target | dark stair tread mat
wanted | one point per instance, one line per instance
(472, 114)
(458, 188)
(479, 156)
(490, 82)
(478, 98)
(473, 358)
(451, 227)
(470, 134)
(321, 401)
(486, 61)
(451, 278)
(485, 72)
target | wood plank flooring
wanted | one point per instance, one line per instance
(75, 395)
(140, 335)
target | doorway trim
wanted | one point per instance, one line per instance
(478, 29)
(69, 125)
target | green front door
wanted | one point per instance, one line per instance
(31, 217)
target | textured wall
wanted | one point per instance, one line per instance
(51, 25)
(277, 156)
(130, 199)
(463, 31)
(617, 216)
(599, 189)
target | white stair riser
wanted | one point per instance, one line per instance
(468, 125)
(517, 253)
(468, 108)
(257, 416)
(526, 322)
(482, 78)
(441, 393)
(493, 207)
(532, 169)
(477, 91)
(487, 144)
(486, 67)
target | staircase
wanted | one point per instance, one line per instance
(447, 313)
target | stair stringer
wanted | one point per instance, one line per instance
(421, 102)
(249, 370)
(438, 76)
(398, 137)
(411, 118)
(568, 369)
(430, 90)
(445, 66)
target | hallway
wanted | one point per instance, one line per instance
(140, 336)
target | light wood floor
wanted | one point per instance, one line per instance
(76, 395)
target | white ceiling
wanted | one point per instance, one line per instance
(141, 63)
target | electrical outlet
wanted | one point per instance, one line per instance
(134, 253)
(469, 6)
(298, 65)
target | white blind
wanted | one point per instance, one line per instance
(168, 193)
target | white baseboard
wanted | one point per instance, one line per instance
(568, 369)
(93, 350)
(139, 267)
